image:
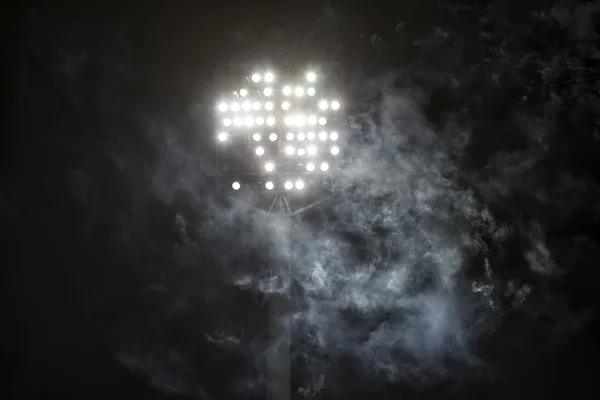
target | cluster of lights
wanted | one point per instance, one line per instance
(281, 114)
(247, 105)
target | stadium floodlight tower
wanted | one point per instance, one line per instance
(278, 135)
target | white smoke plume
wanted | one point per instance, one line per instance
(399, 280)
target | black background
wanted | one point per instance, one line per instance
(82, 78)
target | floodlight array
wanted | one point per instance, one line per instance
(282, 125)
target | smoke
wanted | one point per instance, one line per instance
(406, 279)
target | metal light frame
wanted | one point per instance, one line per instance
(280, 201)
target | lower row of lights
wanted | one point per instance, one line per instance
(309, 166)
(288, 185)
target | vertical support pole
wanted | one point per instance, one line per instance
(278, 361)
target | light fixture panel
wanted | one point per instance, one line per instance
(285, 128)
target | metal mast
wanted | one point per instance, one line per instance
(278, 362)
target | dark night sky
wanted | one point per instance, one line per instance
(90, 89)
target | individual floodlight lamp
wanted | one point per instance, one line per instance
(256, 78)
(311, 91)
(269, 185)
(289, 185)
(223, 107)
(310, 167)
(269, 77)
(333, 135)
(324, 166)
(236, 185)
(243, 92)
(269, 167)
(259, 151)
(335, 105)
(335, 150)
(311, 76)
(299, 184)
(273, 137)
(222, 136)
(256, 137)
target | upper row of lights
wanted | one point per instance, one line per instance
(269, 77)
